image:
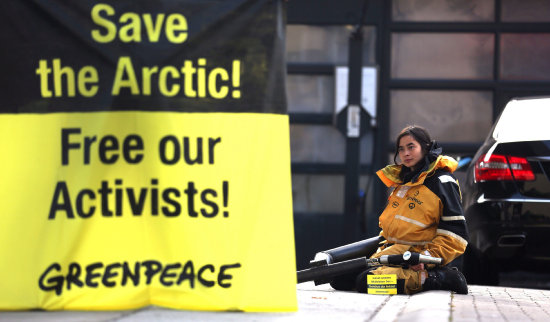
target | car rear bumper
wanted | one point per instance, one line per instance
(503, 230)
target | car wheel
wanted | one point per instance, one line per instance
(478, 269)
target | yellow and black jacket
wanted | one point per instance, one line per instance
(425, 214)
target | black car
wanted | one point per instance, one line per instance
(506, 195)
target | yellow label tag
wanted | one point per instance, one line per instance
(382, 284)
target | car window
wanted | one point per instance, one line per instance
(524, 120)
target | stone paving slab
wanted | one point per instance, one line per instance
(322, 303)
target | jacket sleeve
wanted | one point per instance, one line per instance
(452, 233)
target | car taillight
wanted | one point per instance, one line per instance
(501, 167)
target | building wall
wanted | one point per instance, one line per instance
(447, 65)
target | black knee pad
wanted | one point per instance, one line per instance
(344, 282)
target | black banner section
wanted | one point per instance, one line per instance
(166, 55)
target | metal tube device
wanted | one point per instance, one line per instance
(323, 274)
(363, 248)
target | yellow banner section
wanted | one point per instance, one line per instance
(119, 210)
(382, 284)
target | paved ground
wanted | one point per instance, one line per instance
(321, 303)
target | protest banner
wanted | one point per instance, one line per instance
(146, 156)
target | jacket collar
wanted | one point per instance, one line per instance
(390, 174)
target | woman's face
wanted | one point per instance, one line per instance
(409, 151)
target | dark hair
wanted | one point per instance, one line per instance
(421, 136)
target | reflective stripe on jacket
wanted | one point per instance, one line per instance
(426, 214)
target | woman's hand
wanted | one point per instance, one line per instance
(417, 267)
